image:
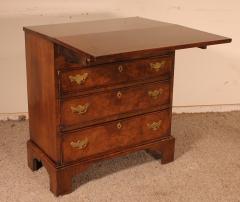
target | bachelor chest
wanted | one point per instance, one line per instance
(101, 89)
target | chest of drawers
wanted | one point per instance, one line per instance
(101, 89)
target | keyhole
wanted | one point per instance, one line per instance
(119, 94)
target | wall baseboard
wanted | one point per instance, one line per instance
(18, 116)
(177, 109)
(206, 108)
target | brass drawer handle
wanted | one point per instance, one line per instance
(157, 65)
(120, 68)
(119, 125)
(155, 93)
(80, 109)
(79, 78)
(80, 144)
(155, 125)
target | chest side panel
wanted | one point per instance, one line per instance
(42, 103)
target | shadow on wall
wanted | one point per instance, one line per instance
(207, 77)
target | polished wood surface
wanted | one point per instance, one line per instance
(42, 93)
(105, 38)
(98, 26)
(117, 135)
(101, 89)
(171, 37)
(114, 103)
(114, 74)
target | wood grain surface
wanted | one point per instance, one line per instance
(106, 104)
(113, 37)
(116, 135)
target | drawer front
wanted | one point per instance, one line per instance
(83, 109)
(113, 74)
(115, 135)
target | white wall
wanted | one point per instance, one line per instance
(202, 77)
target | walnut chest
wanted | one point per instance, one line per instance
(101, 89)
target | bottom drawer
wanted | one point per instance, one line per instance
(114, 136)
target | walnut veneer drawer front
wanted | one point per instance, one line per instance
(114, 73)
(115, 135)
(112, 103)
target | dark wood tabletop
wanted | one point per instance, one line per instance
(123, 35)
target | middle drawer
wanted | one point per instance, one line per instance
(98, 106)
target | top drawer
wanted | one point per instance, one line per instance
(73, 81)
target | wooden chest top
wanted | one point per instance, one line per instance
(124, 35)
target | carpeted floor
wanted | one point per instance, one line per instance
(206, 167)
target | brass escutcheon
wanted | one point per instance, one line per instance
(79, 78)
(120, 68)
(119, 94)
(80, 109)
(80, 144)
(155, 93)
(119, 125)
(157, 65)
(155, 125)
